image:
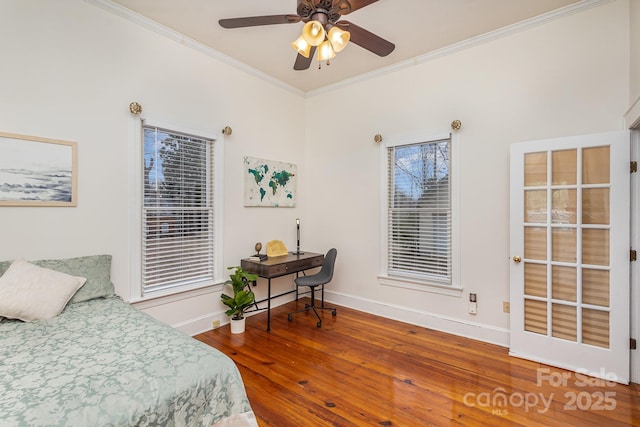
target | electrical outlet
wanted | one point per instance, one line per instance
(506, 307)
(473, 308)
(215, 324)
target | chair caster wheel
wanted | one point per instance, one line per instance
(289, 318)
(319, 324)
(333, 313)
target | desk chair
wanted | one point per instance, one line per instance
(321, 278)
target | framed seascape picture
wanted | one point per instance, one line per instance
(269, 183)
(37, 171)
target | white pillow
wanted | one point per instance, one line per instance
(29, 292)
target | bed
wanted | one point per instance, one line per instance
(101, 362)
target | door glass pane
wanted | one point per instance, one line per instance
(563, 207)
(563, 322)
(563, 283)
(563, 241)
(595, 246)
(535, 316)
(595, 206)
(595, 165)
(595, 287)
(535, 169)
(535, 280)
(564, 167)
(535, 206)
(595, 327)
(535, 243)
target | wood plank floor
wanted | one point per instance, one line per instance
(364, 370)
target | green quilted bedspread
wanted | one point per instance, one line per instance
(104, 363)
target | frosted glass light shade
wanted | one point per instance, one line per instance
(302, 47)
(338, 38)
(325, 51)
(313, 32)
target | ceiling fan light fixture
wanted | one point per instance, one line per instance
(338, 38)
(313, 33)
(302, 47)
(325, 51)
(322, 24)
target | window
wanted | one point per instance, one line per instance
(177, 211)
(419, 235)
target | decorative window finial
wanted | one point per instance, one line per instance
(135, 108)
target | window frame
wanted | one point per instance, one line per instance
(417, 283)
(136, 175)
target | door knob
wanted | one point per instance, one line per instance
(516, 259)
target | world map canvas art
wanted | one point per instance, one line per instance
(269, 183)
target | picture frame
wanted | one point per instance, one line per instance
(269, 183)
(36, 171)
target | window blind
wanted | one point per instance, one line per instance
(177, 241)
(419, 216)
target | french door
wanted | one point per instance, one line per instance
(569, 275)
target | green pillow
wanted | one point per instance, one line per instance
(95, 268)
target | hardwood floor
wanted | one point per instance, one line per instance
(364, 370)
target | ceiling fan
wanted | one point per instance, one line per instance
(324, 26)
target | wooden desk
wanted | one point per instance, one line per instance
(274, 267)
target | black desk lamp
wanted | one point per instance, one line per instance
(297, 252)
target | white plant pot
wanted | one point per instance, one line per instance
(237, 326)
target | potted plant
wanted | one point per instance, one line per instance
(243, 297)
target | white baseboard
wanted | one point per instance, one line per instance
(204, 323)
(473, 330)
(476, 331)
(201, 324)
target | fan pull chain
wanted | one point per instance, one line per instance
(320, 64)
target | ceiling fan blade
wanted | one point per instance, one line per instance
(345, 7)
(366, 39)
(303, 63)
(254, 21)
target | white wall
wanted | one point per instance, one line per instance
(634, 22)
(632, 118)
(69, 71)
(566, 77)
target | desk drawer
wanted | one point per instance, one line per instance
(294, 266)
(273, 268)
(266, 270)
(277, 270)
(304, 264)
(255, 268)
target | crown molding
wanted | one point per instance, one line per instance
(178, 37)
(465, 44)
(164, 31)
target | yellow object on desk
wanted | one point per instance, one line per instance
(276, 248)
